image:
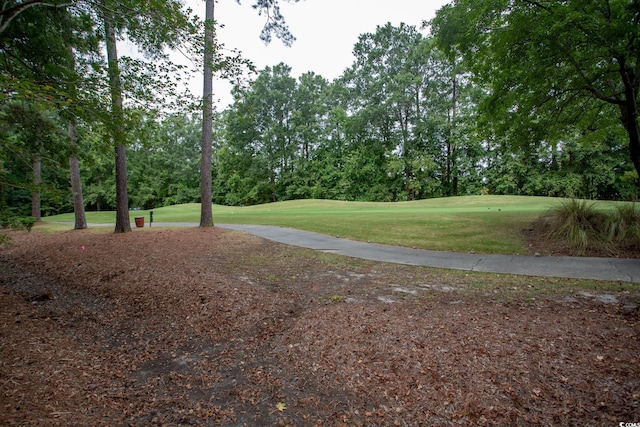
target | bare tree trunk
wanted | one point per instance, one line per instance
(123, 223)
(452, 173)
(36, 210)
(37, 180)
(206, 210)
(76, 185)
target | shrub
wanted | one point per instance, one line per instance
(27, 222)
(7, 220)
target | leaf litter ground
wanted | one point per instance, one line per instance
(206, 327)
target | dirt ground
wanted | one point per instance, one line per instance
(207, 327)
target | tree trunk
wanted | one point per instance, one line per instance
(452, 174)
(630, 121)
(37, 180)
(206, 210)
(76, 185)
(123, 223)
(629, 112)
(37, 173)
(403, 118)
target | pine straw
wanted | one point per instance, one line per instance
(213, 327)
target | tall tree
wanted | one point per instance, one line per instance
(123, 223)
(259, 132)
(397, 79)
(77, 108)
(310, 112)
(206, 212)
(32, 150)
(153, 27)
(80, 219)
(36, 193)
(551, 66)
(275, 24)
(272, 99)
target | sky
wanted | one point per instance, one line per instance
(325, 31)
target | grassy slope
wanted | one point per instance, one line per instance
(489, 224)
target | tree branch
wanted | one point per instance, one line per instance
(589, 85)
(7, 15)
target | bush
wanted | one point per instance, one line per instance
(27, 222)
(8, 220)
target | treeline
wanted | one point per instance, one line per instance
(413, 117)
(400, 124)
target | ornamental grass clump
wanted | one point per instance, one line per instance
(579, 225)
(625, 224)
(584, 228)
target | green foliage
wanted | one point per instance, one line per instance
(556, 70)
(258, 160)
(164, 161)
(483, 107)
(594, 170)
(27, 223)
(29, 135)
(384, 131)
(35, 56)
(9, 219)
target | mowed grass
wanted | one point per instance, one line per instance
(485, 224)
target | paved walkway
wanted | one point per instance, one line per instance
(627, 270)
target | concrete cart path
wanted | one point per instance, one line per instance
(627, 270)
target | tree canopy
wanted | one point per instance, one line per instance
(501, 97)
(553, 69)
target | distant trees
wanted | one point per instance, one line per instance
(414, 135)
(413, 117)
(411, 95)
(383, 131)
(163, 161)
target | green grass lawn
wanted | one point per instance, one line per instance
(485, 224)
